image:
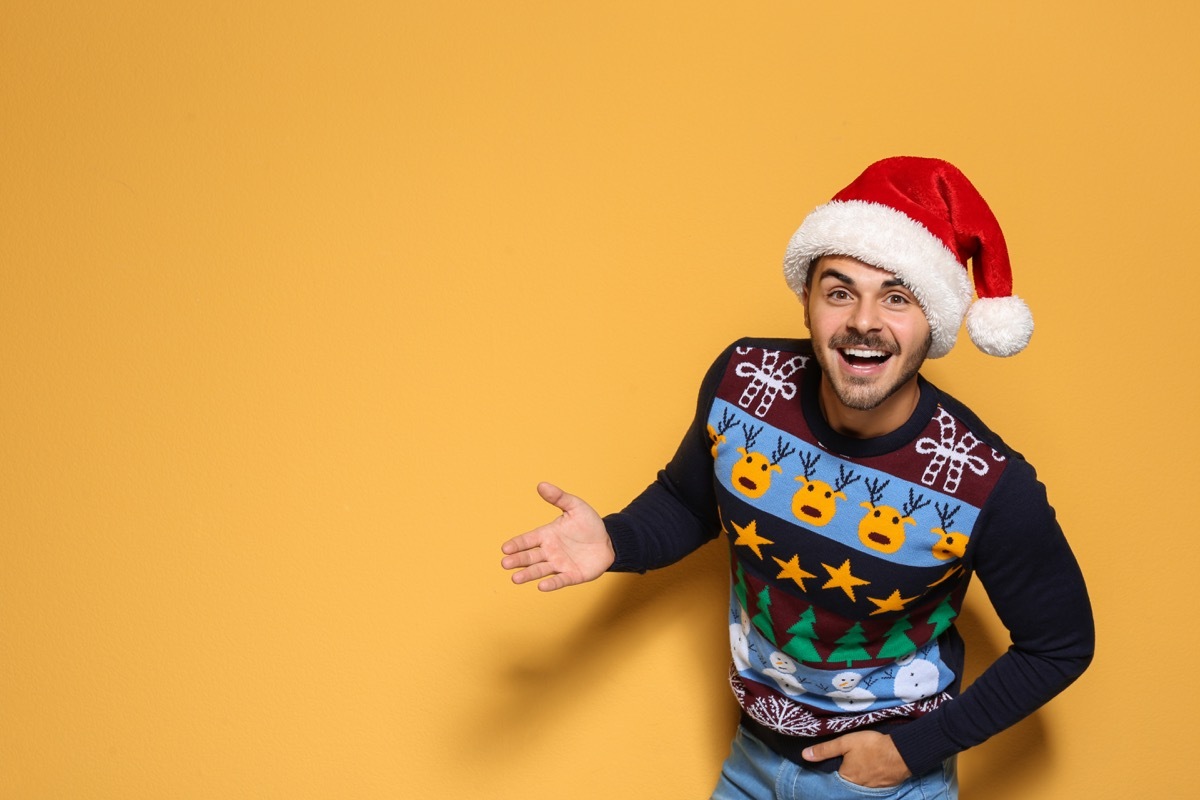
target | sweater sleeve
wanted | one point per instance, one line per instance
(678, 512)
(1038, 591)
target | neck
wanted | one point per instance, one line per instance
(870, 423)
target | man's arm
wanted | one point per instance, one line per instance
(1038, 591)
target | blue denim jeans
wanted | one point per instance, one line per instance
(755, 772)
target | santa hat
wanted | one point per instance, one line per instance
(922, 220)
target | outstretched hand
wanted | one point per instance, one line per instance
(572, 549)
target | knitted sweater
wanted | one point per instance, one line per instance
(850, 559)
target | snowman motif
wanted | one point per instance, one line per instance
(739, 642)
(916, 678)
(783, 672)
(848, 695)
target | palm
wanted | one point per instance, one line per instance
(572, 549)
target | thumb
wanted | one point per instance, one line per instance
(556, 496)
(825, 750)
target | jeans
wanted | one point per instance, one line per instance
(755, 772)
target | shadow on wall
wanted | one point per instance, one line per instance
(537, 684)
(1009, 764)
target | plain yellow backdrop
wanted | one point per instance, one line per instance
(299, 301)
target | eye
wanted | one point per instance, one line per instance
(828, 495)
(749, 459)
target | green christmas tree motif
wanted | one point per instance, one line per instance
(739, 587)
(941, 617)
(897, 644)
(762, 620)
(851, 648)
(801, 646)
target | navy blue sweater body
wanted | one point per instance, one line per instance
(850, 559)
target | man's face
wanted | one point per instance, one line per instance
(869, 334)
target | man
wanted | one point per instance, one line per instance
(858, 501)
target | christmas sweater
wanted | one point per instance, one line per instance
(850, 559)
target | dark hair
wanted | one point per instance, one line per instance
(812, 267)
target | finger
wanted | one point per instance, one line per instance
(824, 750)
(533, 572)
(557, 497)
(523, 558)
(526, 541)
(554, 582)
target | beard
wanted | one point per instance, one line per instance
(867, 393)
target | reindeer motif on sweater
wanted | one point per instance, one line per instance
(849, 593)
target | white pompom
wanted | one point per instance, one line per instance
(1000, 326)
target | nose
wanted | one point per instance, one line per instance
(865, 317)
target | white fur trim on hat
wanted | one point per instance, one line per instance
(1000, 326)
(883, 237)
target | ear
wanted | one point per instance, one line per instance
(804, 302)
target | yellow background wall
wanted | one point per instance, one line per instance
(298, 302)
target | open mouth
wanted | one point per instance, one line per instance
(879, 538)
(809, 511)
(864, 357)
(749, 484)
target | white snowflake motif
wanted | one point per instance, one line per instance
(852, 721)
(783, 716)
(768, 379)
(735, 683)
(843, 724)
(948, 451)
(925, 706)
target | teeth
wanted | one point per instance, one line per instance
(865, 353)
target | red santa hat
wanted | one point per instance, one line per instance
(922, 220)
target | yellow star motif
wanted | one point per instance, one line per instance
(894, 603)
(841, 578)
(749, 537)
(949, 573)
(791, 569)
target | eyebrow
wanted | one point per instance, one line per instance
(830, 272)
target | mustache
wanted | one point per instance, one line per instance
(865, 342)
